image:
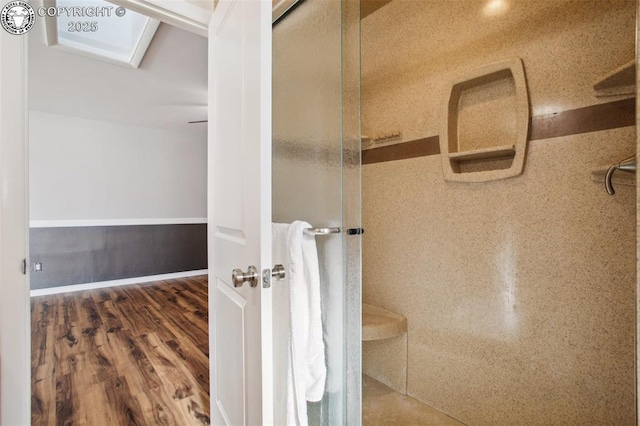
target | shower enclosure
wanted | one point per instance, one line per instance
(517, 280)
(316, 178)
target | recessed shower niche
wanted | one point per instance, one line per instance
(486, 122)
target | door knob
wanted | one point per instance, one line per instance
(277, 273)
(251, 276)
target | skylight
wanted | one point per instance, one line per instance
(100, 30)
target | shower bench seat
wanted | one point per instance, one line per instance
(379, 323)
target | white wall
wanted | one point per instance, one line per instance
(84, 169)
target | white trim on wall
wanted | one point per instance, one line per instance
(114, 222)
(116, 283)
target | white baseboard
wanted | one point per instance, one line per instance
(115, 222)
(116, 283)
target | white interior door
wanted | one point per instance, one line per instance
(240, 211)
(15, 335)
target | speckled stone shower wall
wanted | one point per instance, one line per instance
(519, 293)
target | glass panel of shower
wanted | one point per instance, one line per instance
(316, 179)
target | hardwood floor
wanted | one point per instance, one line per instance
(131, 355)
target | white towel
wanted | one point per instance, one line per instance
(297, 324)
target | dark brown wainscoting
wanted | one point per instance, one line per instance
(79, 255)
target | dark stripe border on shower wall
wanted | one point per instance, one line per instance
(367, 7)
(402, 151)
(89, 254)
(611, 115)
(593, 118)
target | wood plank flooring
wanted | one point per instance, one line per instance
(131, 355)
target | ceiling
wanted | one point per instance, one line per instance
(166, 91)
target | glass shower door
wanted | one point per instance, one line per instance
(316, 178)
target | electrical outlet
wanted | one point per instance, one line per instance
(37, 267)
